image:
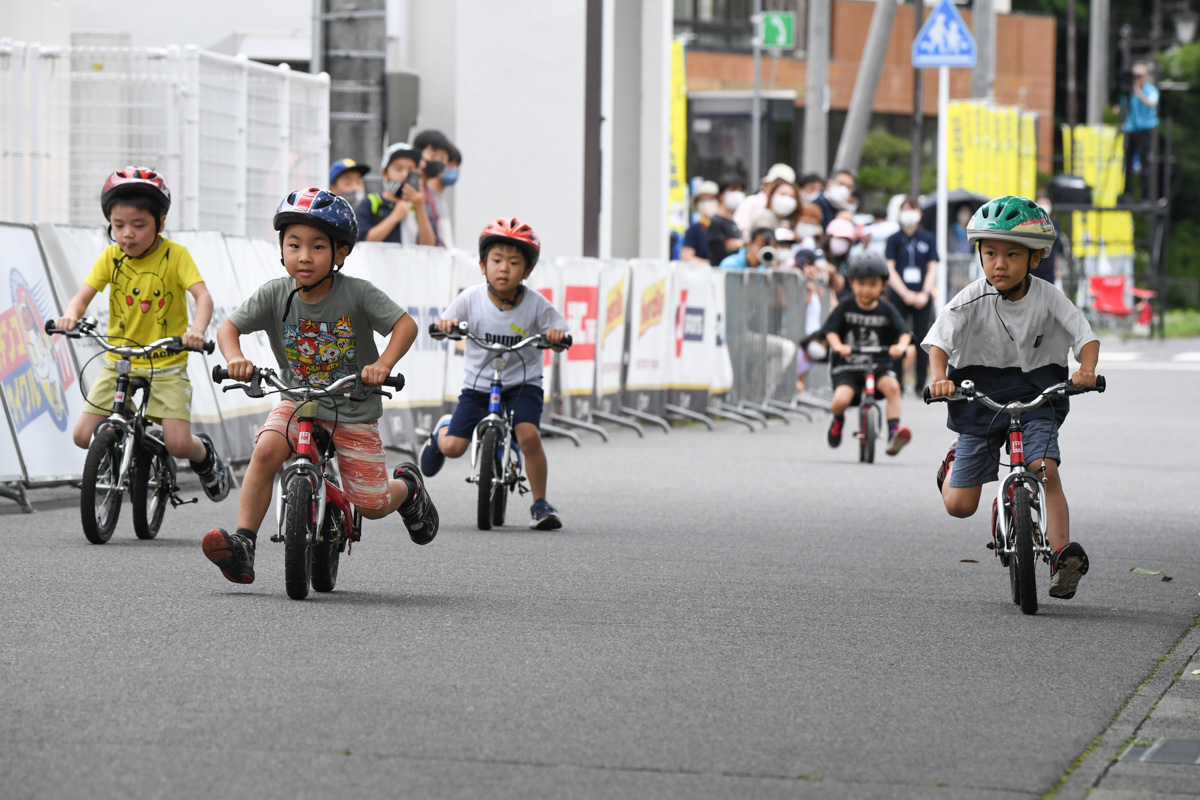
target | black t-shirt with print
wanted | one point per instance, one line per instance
(881, 326)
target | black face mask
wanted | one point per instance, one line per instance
(433, 168)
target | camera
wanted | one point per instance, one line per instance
(1125, 82)
(768, 255)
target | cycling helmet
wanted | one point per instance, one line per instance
(514, 231)
(1013, 219)
(322, 210)
(132, 181)
(867, 264)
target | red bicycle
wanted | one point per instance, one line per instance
(1019, 533)
(316, 521)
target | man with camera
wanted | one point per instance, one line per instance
(1139, 109)
(399, 215)
(760, 252)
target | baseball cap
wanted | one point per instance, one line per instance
(707, 187)
(779, 172)
(399, 150)
(346, 165)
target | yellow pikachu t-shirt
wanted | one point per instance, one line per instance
(147, 298)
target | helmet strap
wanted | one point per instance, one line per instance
(288, 305)
(507, 303)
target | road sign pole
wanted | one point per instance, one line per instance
(942, 156)
(752, 180)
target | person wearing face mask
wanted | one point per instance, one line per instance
(838, 195)
(912, 259)
(346, 180)
(724, 236)
(752, 206)
(434, 147)
(956, 237)
(439, 184)
(695, 238)
(783, 207)
(811, 186)
(399, 214)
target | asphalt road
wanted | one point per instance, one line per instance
(724, 615)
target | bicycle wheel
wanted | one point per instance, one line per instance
(489, 472)
(150, 492)
(1023, 534)
(297, 527)
(100, 493)
(499, 505)
(327, 552)
(868, 432)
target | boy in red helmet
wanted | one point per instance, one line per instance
(147, 275)
(500, 309)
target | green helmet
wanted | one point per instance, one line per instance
(1013, 219)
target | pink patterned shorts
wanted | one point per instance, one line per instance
(359, 452)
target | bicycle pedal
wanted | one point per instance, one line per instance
(277, 537)
(991, 545)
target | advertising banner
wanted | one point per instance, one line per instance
(692, 309)
(611, 324)
(38, 380)
(547, 279)
(650, 336)
(677, 199)
(722, 365)
(581, 307)
(10, 461)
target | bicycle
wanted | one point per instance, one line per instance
(501, 470)
(127, 452)
(315, 519)
(1019, 527)
(869, 415)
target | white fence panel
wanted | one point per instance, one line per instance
(581, 307)
(650, 332)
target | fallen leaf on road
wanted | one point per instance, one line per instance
(967, 561)
(1196, 672)
(1140, 571)
(1167, 578)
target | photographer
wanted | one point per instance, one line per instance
(1139, 109)
(399, 214)
(760, 252)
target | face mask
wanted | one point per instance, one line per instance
(810, 197)
(357, 198)
(963, 219)
(733, 199)
(783, 205)
(910, 218)
(807, 229)
(838, 195)
(707, 207)
(839, 247)
(433, 168)
(393, 187)
(450, 177)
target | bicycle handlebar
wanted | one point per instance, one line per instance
(87, 327)
(464, 332)
(966, 392)
(254, 389)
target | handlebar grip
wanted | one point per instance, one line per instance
(1101, 384)
(219, 374)
(210, 347)
(49, 326)
(925, 395)
(433, 330)
(567, 341)
(395, 381)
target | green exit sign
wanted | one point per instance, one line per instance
(779, 30)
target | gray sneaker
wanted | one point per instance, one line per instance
(1067, 566)
(418, 512)
(215, 477)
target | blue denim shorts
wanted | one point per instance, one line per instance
(977, 458)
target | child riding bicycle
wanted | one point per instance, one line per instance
(866, 320)
(147, 275)
(501, 310)
(320, 325)
(1010, 333)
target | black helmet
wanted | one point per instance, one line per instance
(867, 264)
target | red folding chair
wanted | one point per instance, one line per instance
(1108, 297)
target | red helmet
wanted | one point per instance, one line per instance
(514, 231)
(135, 181)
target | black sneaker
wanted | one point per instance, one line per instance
(834, 437)
(944, 469)
(1067, 566)
(232, 552)
(544, 516)
(214, 477)
(418, 512)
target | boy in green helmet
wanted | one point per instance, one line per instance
(1011, 333)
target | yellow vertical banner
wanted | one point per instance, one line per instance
(957, 145)
(1028, 154)
(1012, 144)
(1096, 154)
(677, 203)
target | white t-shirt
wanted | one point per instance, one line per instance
(534, 314)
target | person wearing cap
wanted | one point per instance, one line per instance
(695, 238)
(751, 206)
(399, 214)
(346, 180)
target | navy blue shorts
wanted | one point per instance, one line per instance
(525, 402)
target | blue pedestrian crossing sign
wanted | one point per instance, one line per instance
(944, 40)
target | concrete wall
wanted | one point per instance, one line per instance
(47, 22)
(518, 113)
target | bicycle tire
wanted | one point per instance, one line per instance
(99, 510)
(297, 552)
(327, 552)
(500, 505)
(149, 507)
(1023, 533)
(488, 474)
(868, 428)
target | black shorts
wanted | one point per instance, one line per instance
(858, 382)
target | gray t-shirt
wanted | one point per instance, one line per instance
(535, 314)
(323, 341)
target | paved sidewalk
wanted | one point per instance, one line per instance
(1151, 751)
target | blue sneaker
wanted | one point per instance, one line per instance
(545, 516)
(431, 457)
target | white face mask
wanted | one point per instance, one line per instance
(783, 205)
(839, 247)
(910, 218)
(707, 207)
(806, 229)
(963, 219)
(838, 195)
(733, 199)
(810, 197)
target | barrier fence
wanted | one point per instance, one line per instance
(654, 342)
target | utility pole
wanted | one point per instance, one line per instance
(918, 117)
(1072, 68)
(756, 20)
(858, 118)
(983, 27)
(354, 33)
(1097, 99)
(816, 117)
